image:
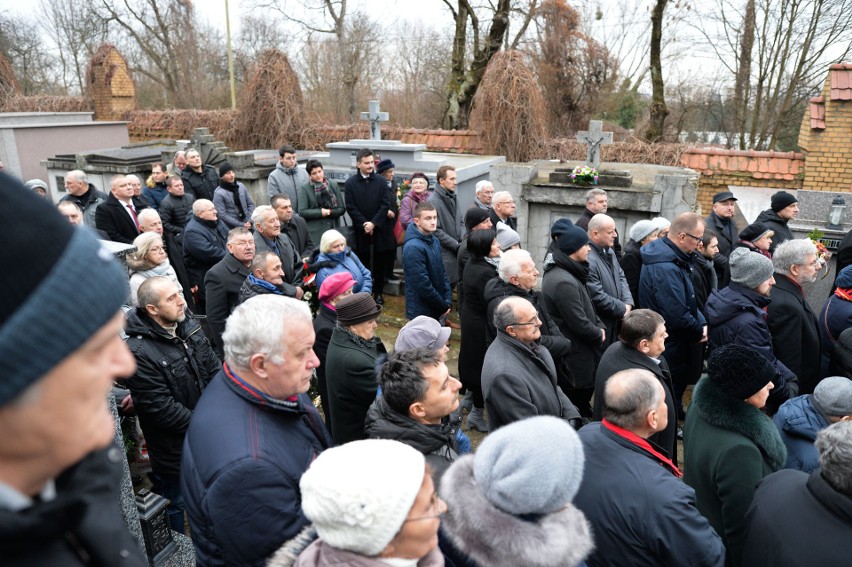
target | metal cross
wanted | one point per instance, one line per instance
(595, 137)
(375, 117)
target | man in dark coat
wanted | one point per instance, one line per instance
(736, 316)
(518, 374)
(351, 366)
(792, 323)
(204, 244)
(118, 215)
(224, 281)
(268, 237)
(450, 229)
(176, 208)
(418, 396)
(665, 286)
(83, 194)
(267, 276)
(597, 204)
(640, 345)
(801, 519)
(174, 363)
(199, 179)
(566, 270)
(252, 436)
(292, 225)
(721, 222)
(784, 208)
(503, 210)
(641, 512)
(844, 254)
(367, 202)
(427, 290)
(60, 476)
(607, 283)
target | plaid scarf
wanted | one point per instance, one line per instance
(325, 197)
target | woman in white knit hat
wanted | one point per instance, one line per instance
(372, 503)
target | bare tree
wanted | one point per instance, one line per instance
(77, 30)
(773, 73)
(21, 45)
(657, 124)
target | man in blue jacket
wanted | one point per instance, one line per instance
(665, 286)
(252, 435)
(427, 289)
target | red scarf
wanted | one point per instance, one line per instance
(844, 293)
(642, 443)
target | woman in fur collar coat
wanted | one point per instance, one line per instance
(729, 444)
(510, 503)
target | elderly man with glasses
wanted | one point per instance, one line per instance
(519, 375)
(665, 286)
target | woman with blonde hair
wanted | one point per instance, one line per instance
(335, 256)
(148, 260)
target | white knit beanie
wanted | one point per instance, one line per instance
(359, 494)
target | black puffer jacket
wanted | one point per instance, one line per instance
(171, 373)
(437, 442)
(201, 185)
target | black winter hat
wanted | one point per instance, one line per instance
(225, 168)
(384, 165)
(568, 236)
(474, 216)
(754, 231)
(357, 308)
(740, 371)
(782, 200)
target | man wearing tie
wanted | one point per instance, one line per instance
(117, 216)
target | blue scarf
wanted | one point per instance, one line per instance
(272, 288)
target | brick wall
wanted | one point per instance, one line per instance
(110, 85)
(720, 168)
(827, 143)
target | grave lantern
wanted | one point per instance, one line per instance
(159, 544)
(836, 214)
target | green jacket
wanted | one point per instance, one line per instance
(310, 210)
(350, 374)
(729, 446)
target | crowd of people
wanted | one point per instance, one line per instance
(577, 365)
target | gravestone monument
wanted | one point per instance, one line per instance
(594, 137)
(376, 118)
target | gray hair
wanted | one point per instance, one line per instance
(480, 185)
(78, 175)
(191, 151)
(260, 212)
(791, 253)
(150, 290)
(260, 260)
(834, 444)
(133, 177)
(504, 315)
(235, 232)
(144, 214)
(510, 263)
(200, 204)
(259, 326)
(628, 397)
(501, 196)
(179, 153)
(592, 193)
(599, 221)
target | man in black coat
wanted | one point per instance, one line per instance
(451, 227)
(61, 474)
(784, 207)
(118, 216)
(640, 510)
(224, 281)
(367, 202)
(174, 363)
(199, 179)
(294, 226)
(640, 345)
(503, 210)
(204, 243)
(801, 519)
(792, 323)
(721, 222)
(176, 208)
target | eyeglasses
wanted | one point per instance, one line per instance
(697, 238)
(434, 508)
(531, 322)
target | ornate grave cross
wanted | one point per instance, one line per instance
(375, 117)
(594, 138)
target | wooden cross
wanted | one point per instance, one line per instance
(375, 117)
(594, 138)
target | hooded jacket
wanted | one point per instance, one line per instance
(287, 181)
(798, 422)
(480, 534)
(736, 315)
(437, 442)
(326, 263)
(427, 289)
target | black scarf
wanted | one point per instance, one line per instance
(234, 188)
(579, 270)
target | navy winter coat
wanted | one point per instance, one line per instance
(427, 289)
(836, 317)
(243, 457)
(798, 422)
(735, 315)
(203, 246)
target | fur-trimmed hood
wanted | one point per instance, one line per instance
(494, 538)
(721, 410)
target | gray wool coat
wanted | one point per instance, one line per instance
(450, 229)
(608, 289)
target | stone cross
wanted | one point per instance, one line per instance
(594, 138)
(375, 117)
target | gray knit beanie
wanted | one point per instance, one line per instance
(642, 230)
(532, 466)
(833, 396)
(506, 236)
(749, 269)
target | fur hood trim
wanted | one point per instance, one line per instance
(288, 553)
(492, 537)
(719, 409)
